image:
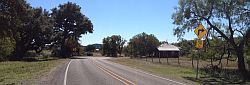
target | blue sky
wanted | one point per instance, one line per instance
(124, 17)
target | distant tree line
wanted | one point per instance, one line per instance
(90, 48)
(25, 28)
(140, 45)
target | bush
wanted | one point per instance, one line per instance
(6, 47)
(81, 51)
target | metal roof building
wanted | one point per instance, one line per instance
(167, 47)
(168, 51)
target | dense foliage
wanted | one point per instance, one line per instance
(142, 44)
(31, 29)
(113, 45)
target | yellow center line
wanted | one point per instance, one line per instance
(109, 73)
(123, 80)
(119, 76)
(113, 76)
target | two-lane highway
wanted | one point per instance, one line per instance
(99, 71)
(85, 72)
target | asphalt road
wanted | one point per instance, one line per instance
(99, 71)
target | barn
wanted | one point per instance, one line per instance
(168, 51)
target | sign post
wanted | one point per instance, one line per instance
(197, 64)
(200, 31)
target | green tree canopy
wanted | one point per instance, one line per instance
(69, 22)
(11, 14)
(29, 27)
(90, 48)
(143, 44)
(225, 18)
(113, 45)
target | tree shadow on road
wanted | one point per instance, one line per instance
(77, 58)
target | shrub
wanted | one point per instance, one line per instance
(6, 47)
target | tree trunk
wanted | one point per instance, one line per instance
(221, 56)
(18, 53)
(211, 61)
(241, 61)
(63, 52)
(152, 57)
(228, 55)
(192, 61)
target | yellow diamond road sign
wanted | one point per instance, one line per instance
(200, 31)
(199, 43)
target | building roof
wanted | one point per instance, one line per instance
(167, 47)
(97, 46)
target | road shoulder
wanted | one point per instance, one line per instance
(53, 77)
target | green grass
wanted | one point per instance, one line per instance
(172, 72)
(184, 71)
(18, 72)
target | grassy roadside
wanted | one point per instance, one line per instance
(184, 72)
(171, 72)
(23, 72)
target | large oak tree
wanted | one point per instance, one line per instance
(69, 23)
(28, 26)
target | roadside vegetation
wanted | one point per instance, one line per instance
(26, 72)
(184, 71)
(227, 26)
(218, 62)
(169, 71)
(113, 45)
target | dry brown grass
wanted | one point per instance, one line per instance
(187, 62)
(227, 75)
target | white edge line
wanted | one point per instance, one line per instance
(66, 72)
(161, 77)
(153, 75)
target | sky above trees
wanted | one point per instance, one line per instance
(124, 17)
